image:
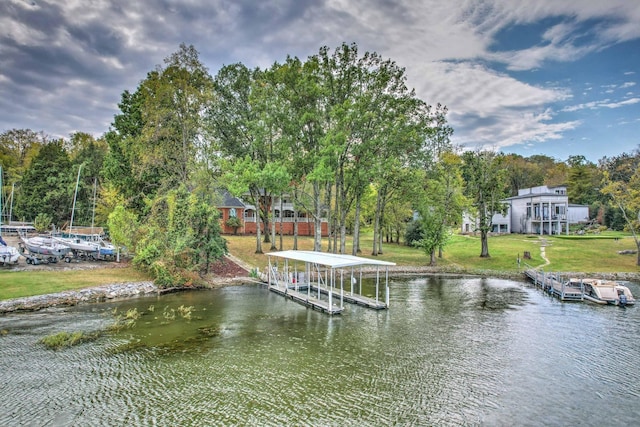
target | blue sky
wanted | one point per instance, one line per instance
(552, 77)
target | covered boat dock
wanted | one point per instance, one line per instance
(315, 279)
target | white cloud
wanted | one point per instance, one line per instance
(446, 47)
(594, 105)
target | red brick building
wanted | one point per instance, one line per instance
(233, 207)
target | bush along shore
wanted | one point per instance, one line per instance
(94, 294)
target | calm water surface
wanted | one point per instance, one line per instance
(450, 351)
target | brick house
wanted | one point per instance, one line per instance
(231, 206)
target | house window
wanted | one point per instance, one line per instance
(232, 213)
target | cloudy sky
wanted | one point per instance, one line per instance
(554, 77)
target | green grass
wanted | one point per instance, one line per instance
(15, 284)
(588, 254)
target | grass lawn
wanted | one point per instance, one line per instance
(26, 283)
(588, 254)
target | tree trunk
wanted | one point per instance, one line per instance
(356, 228)
(273, 226)
(317, 236)
(281, 219)
(295, 229)
(295, 219)
(376, 225)
(258, 236)
(433, 261)
(485, 244)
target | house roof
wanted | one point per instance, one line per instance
(535, 195)
(328, 259)
(230, 201)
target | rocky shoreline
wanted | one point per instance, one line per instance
(94, 294)
(129, 290)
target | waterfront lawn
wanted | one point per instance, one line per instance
(15, 284)
(463, 253)
(590, 254)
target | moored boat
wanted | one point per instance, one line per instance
(605, 291)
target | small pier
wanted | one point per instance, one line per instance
(353, 298)
(306, 299)
(317, 280)
(552, 283)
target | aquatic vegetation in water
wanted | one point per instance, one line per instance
(126, 321)
(185, 312)
(169, 313)
(68, 339)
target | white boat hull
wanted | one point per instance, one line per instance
(76, 244)
(607, 292)
(45, 246)
(9, 255)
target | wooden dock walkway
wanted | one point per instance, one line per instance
(307, 300)
(553, 284)
(352, 298)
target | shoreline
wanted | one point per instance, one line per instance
(135, 289)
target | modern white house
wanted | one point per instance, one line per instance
(536, 210)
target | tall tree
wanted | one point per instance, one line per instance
(177, 97)
(626, 197)
(523, 173)
(157, 137)
(486, 186)
(47, 186)
(18, 147)
(582, 181)
(238, 120)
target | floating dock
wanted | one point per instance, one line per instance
(553, 284)
(317, 279)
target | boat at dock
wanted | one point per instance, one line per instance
(605, 291)
(587, 289)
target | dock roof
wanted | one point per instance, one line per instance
(328, 259)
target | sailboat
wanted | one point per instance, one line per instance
(78, 246)
(8, 254)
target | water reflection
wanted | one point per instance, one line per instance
(450, 351)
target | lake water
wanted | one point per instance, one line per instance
(449, 351)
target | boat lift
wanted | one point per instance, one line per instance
(323, 278)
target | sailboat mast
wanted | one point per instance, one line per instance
(93, 214)
(75, 195)
(13, 188)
